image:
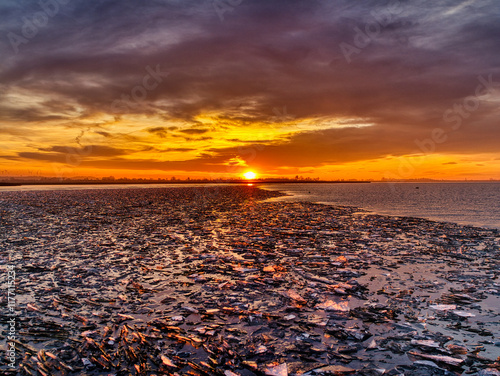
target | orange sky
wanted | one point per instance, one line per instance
(333, 90)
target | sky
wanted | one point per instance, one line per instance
(335, 89)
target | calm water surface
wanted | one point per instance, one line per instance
(476, 204)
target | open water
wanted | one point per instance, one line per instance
(472, 203)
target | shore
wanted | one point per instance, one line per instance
(216, 281)
(55, 182)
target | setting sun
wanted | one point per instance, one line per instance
(249, 175)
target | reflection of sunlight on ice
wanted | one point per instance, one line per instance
(330, 305)
(277, 370)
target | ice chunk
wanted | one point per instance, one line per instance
(439, 358)
(330, 305)
(425, 343)
(280, 370)
(443, 307)
(463, 314)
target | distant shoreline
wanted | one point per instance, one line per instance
(176, 182)
(17, 183)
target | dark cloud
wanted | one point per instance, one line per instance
(89, 150)
(159, 131)
(104, 134)
(194, 131)
(205, 164)
(162, 132)
(250, 141)
(337, 146)
(180, 149)
(47, 157)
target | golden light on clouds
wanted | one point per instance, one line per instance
(249, 175)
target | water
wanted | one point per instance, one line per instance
(476, 204)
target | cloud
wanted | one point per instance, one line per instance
(203, 164)
(345, 145)
(104, 134)
(180, 149)
(89, 150)
(46, 157)
(159, 131)
(162, 132)
(264, 56)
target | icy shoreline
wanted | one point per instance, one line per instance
(213, 280)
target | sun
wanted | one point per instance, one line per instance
(249, 175)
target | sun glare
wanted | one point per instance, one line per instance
(249, 175)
